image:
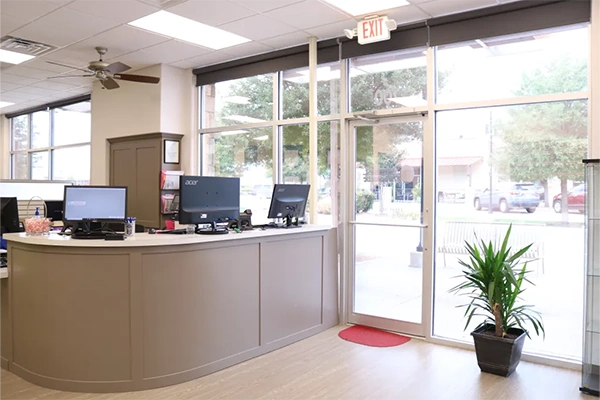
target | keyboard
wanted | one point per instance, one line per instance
(181, 231)
(88, 235)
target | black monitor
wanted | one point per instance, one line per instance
(54, 209)
(85, 205)
(9, 215)
(208, 200)
(289, 202)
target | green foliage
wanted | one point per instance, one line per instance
(364, 201)
(416, 192)
(493, 280)
(546, 140)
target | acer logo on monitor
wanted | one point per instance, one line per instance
(191, 182)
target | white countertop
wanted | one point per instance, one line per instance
(146, 239)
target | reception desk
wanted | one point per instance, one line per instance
(156, 310)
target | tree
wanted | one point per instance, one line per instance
(547, 140)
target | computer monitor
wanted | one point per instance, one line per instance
(95, 203)
(289, 202)
(54, 209)
(9, 215)
(208, 200)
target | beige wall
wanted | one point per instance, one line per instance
(137, 108)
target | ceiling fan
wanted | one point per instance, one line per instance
(105, 72)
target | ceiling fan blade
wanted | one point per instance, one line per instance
(68, 66)
(117, 67)
(71, 76)
(109, 83)
(137, 78)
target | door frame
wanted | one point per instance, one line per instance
(348, 223)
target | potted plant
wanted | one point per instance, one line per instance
(494, 281)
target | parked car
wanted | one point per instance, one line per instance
(575, 200)
(508, 195)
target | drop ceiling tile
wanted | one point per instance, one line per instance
(215, 57)
(165, 53)
(30, 90)
(247, 49)
(54, 84)
(120, 40)
(5, 86)
(74, 58)
(16, 79)
(258, 27)
(74, 81)
(438, 8)
(33, 73)
(64, 26)
(211, 12)
(40, 63)
(9, 24)
(287, 40)
(332, 30)
(307, 14)
(407, 14)
(27, 10)
(122, 11)
(262, 6)
(14, 97)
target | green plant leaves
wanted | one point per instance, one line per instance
(493, 276)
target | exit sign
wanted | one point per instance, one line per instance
(374, 30)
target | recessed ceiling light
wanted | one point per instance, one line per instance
(172, 25)
(5, 104)
(12, 57)
(355, 7)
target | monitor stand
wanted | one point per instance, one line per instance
(87, 230)
(213, 230)
(289, 221)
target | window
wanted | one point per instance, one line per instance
(239, 101)
(388, 80)
(507, 66)
(295, 91)
(509, 164)
(52, 144)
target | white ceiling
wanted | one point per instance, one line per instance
(75, 27)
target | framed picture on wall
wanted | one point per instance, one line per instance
(171, 155)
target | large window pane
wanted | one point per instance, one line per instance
(388, 80)
(247, 154)
(19, 166)
(512, 165)
(20, 132)
(239, 101)
(72, 124)
(40, 129)
(295, 91)
(72, 163)
(39, 165)
(510, 66)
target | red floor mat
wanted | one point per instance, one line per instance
(372, 336)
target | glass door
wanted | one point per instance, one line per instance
(386, 224)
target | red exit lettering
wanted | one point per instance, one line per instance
(372, 28)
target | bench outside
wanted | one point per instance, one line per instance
(456, 233)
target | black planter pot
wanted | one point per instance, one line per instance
(496, 355)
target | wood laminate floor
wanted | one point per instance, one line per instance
(327, 367)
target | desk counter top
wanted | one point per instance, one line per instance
(149, 240)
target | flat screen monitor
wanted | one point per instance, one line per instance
(289, 202)
(9, 215)
(208, 200)
(95, 203)
(54, 209)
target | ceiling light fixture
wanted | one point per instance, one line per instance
(188, 30)
(5, 104)
(12, 57)
(356, 8)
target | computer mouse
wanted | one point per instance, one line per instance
(151, 231)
